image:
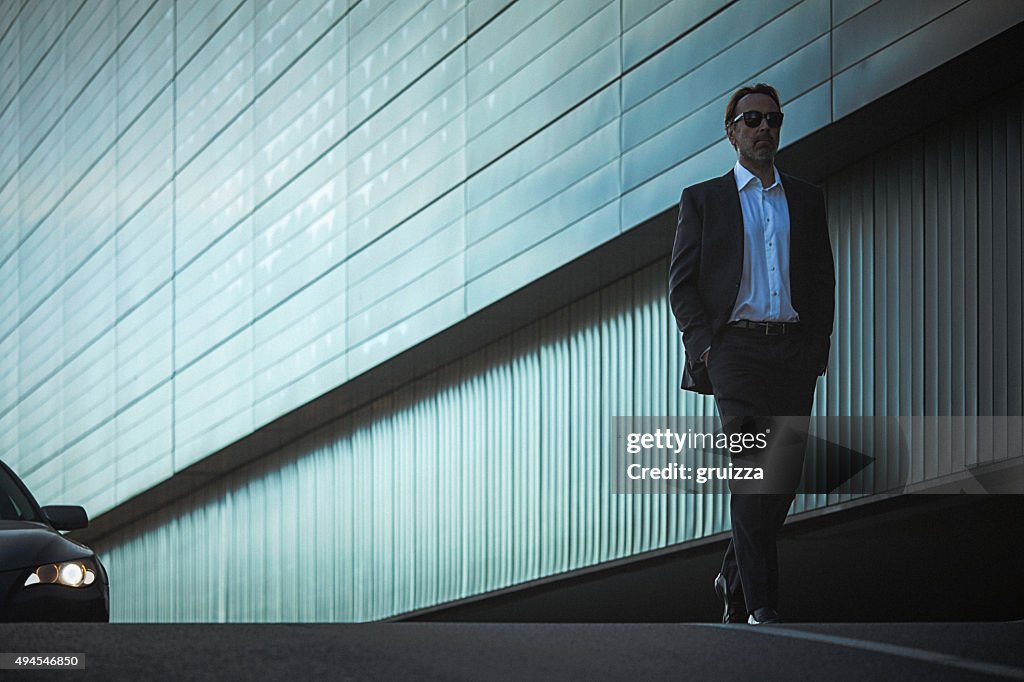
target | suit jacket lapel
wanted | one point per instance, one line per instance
(796, 230)
(732, 217)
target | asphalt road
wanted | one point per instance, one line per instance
(525, 651)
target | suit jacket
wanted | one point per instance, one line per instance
(707, 265)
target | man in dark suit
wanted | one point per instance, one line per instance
(752, 288)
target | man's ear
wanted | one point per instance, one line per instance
(728, 136)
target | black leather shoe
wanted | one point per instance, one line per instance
(734, 610)
(764, 616)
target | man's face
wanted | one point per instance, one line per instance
(757, 145)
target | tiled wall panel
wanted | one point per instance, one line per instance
(145, 348)
(91, 125)
(653, 126)
(9, 276)
(144, 253)
(526, 212)
(214, 192)
(91, 40)
(213, 399)
(397, 46)
(215, 85)
(552, 66)
(88, 375)
(879, 25)
(40, 25)
(398, 259)
(932, 37)
(213, 296)
(88, 215)
(659, 22)
(145, 156)
(42, 105)
(9, 365)
(284, 31)
(40, 342)
(145, 445)
(10, 52)
(197, 21)
(129, 12)
(145, 57)
(89, 302)
(9, 180)
(299, 233)
(10, 437)
(429, 117)
(301, 117)
(41, 427)
(299, 348)
(42, 185)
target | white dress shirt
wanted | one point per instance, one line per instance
(764, 293)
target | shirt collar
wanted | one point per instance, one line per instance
(745, 177)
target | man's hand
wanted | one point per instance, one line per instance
(706, 358)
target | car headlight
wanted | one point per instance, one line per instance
(67, 573)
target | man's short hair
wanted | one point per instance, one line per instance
(756, 89)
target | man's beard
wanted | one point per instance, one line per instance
(761, 155)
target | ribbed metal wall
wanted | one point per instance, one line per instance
(495, 470)
(488, 473)
(928, 245)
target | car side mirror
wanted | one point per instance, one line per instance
(66, 516)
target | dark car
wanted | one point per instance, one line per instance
(45, 576)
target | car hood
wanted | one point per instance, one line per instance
(27, 544)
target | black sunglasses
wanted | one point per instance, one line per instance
(753, 118)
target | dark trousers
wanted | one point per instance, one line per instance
(757, 379)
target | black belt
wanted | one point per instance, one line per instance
(766, 328)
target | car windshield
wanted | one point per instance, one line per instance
(14, 505)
